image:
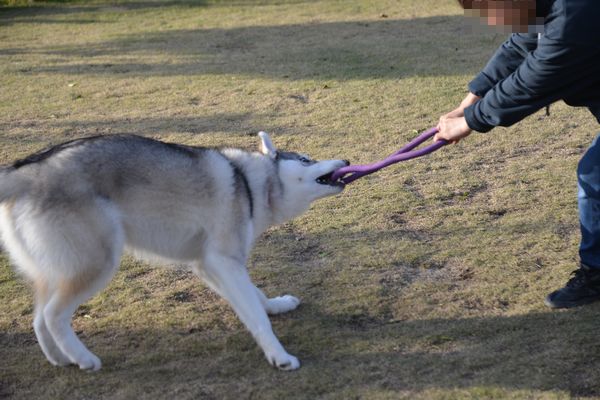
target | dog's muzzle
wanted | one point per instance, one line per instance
(327, 178)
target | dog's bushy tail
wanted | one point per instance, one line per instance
(12, 184)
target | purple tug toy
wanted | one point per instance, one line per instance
(405, 153)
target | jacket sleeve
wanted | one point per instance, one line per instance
(505, 61)
(554, 70)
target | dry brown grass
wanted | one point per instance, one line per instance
(423, 281)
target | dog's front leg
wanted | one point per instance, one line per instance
(229, 278)
(279, 304)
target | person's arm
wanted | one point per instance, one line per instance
(553, 71)
(509, 56)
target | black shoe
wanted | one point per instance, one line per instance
(582, 288)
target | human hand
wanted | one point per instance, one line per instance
(454, 125)
(452, 129)
(469, 100)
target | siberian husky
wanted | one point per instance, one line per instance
(67, 214)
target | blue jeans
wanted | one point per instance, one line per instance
(588, 179)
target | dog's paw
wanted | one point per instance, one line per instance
(57, 358)
(282, 304)
(59, 362)
(284, 362)
(89, 362)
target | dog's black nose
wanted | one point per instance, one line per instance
(346, 162)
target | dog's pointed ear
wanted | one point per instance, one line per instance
(266, 146)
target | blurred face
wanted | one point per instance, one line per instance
(517, 15)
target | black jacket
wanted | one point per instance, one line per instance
(526, 73)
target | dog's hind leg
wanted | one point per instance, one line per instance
(229, 278)
(45, 340)
(14, 242)
(96, 268)
(65, 299)
(279, 304)
(74, 252)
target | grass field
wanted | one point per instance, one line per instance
(424, 281)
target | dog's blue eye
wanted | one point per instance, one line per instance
(304, 160)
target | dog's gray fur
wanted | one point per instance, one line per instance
(67, 214)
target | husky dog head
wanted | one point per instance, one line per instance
(304, 180)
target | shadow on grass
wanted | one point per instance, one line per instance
(37, 13)
(541, 351)
(555, 351)
(52, 12)
(343, 352)
(391, 49)
(231, 123)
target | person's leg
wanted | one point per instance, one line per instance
(584, 287)
(588, 179)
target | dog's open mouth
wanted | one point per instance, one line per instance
(326, 180)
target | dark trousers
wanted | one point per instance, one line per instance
(588, 178)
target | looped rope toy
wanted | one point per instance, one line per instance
(405, 153)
